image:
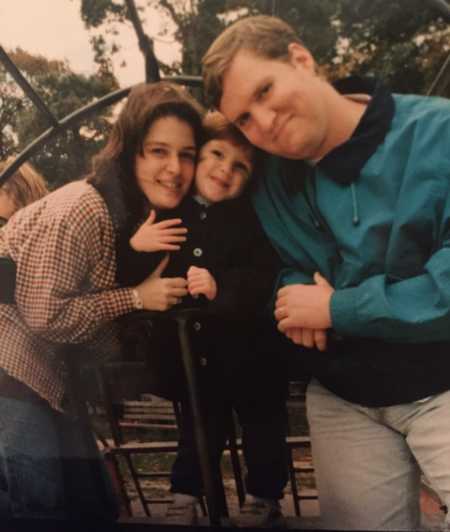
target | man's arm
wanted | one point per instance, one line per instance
(415, 309)
(412, 310)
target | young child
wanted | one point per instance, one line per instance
(231, 270)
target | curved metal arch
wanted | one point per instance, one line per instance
(442, 6)
(57, 126)
(72, 118)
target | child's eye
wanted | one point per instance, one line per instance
(217, 153)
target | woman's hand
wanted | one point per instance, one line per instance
(200, 281)
(161, 293)
(162, 236)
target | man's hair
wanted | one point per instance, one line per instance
(267, 37)
(24, 186)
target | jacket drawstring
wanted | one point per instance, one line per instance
(355, 219)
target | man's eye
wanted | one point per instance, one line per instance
(217, 153)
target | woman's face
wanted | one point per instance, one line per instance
(165, 170)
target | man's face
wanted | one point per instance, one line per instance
(280, 106)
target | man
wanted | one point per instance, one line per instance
(355, 191)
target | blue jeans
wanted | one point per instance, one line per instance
(369, 461)
(44, 468)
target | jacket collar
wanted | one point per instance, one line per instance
(344, 163)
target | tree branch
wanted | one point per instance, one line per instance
(145, 44)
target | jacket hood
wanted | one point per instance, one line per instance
(344, 163)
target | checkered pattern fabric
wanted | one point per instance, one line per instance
(63, 246)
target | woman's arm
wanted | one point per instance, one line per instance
(65, 281)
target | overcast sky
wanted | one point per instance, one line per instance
(54, 29)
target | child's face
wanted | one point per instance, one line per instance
(223, 170)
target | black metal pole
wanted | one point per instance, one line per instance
(209, 484)
(26, 87)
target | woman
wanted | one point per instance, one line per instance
(64, 247)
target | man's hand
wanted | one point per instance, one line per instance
(308, 337)
(200, 281)
(304, 306)
(162, 236)
(161, 293)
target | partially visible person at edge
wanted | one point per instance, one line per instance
(356, 198)
(231, 268)
(23, 187)
(64, 247)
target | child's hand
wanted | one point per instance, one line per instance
(162, 236)
(200, 281)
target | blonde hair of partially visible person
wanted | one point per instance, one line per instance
(24, 186)
(265, 36)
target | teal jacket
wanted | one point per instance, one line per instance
(373, 217)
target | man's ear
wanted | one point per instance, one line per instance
(300, 56)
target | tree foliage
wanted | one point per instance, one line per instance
(63, 91)
(403, 41)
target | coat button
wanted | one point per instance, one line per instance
(203, 215)
(198, 252)
(197, 326)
